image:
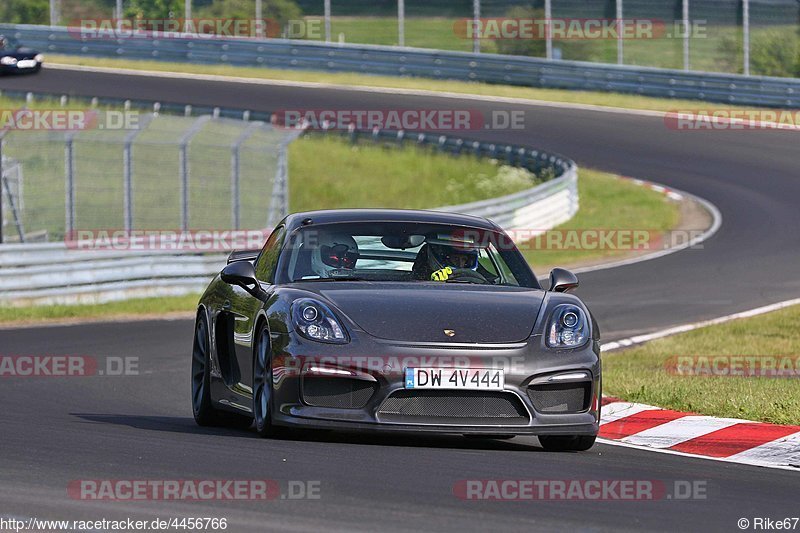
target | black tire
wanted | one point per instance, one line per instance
(567, 443)
(262, 386)
(202, 408)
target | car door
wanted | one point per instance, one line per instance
(247, 307)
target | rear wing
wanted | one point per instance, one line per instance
(243, 255)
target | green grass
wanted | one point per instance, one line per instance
(639, 374)
(421, 32)
(140, 306)
(606, 203)
(330, 172)
(707, 51)
(365, 80)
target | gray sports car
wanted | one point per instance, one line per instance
(396, 320)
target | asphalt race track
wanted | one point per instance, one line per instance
(140, 427)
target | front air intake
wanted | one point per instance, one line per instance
(561, 397)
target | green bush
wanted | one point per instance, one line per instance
(575, 50)
(523, 47)
(772, 53)
(25, 11)
(154, 9)
(280, 11)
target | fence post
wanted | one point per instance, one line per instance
(746, 35)
(327, 21)
(259, 20)
(127, 167)
(686, 33)
(54, 12)
(620, 42)
(401, 23)
(184, 168)
(548, 25)
(187, 16)
(69, 185)
(476, 20)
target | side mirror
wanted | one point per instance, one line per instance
(243, 274)
(562, 280)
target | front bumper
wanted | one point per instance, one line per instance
(32, 66)
(527, 366)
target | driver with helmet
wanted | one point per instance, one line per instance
(451, 260)
(334, 256)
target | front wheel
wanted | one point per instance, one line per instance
(567, 443)
(262, 386)
(202, 408)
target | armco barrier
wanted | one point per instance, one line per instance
(52, 273)
(488, 68)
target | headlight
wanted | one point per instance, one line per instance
(315, 321)
(39, 58)
(7, 60)
(569, 327)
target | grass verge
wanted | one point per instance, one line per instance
(329, 172)
(609, 204)
(139, 306)
(364, 80)
(641, 374)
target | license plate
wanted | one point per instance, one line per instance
(26, 63)
(454, 378)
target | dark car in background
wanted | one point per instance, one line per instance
(15, 58)
(386, 320)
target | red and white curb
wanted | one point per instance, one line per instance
(666, 191)
(723, 439)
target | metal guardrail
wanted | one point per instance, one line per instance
(488, 68)
(51, 273)
(32, 274)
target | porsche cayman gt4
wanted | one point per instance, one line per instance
(394, 320)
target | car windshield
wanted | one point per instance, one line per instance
(8, 44)
(403, 252)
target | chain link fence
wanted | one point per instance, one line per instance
(760, 37)
(156, 172)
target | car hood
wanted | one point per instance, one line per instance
(417, 312)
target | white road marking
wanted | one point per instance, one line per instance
(639, 339)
